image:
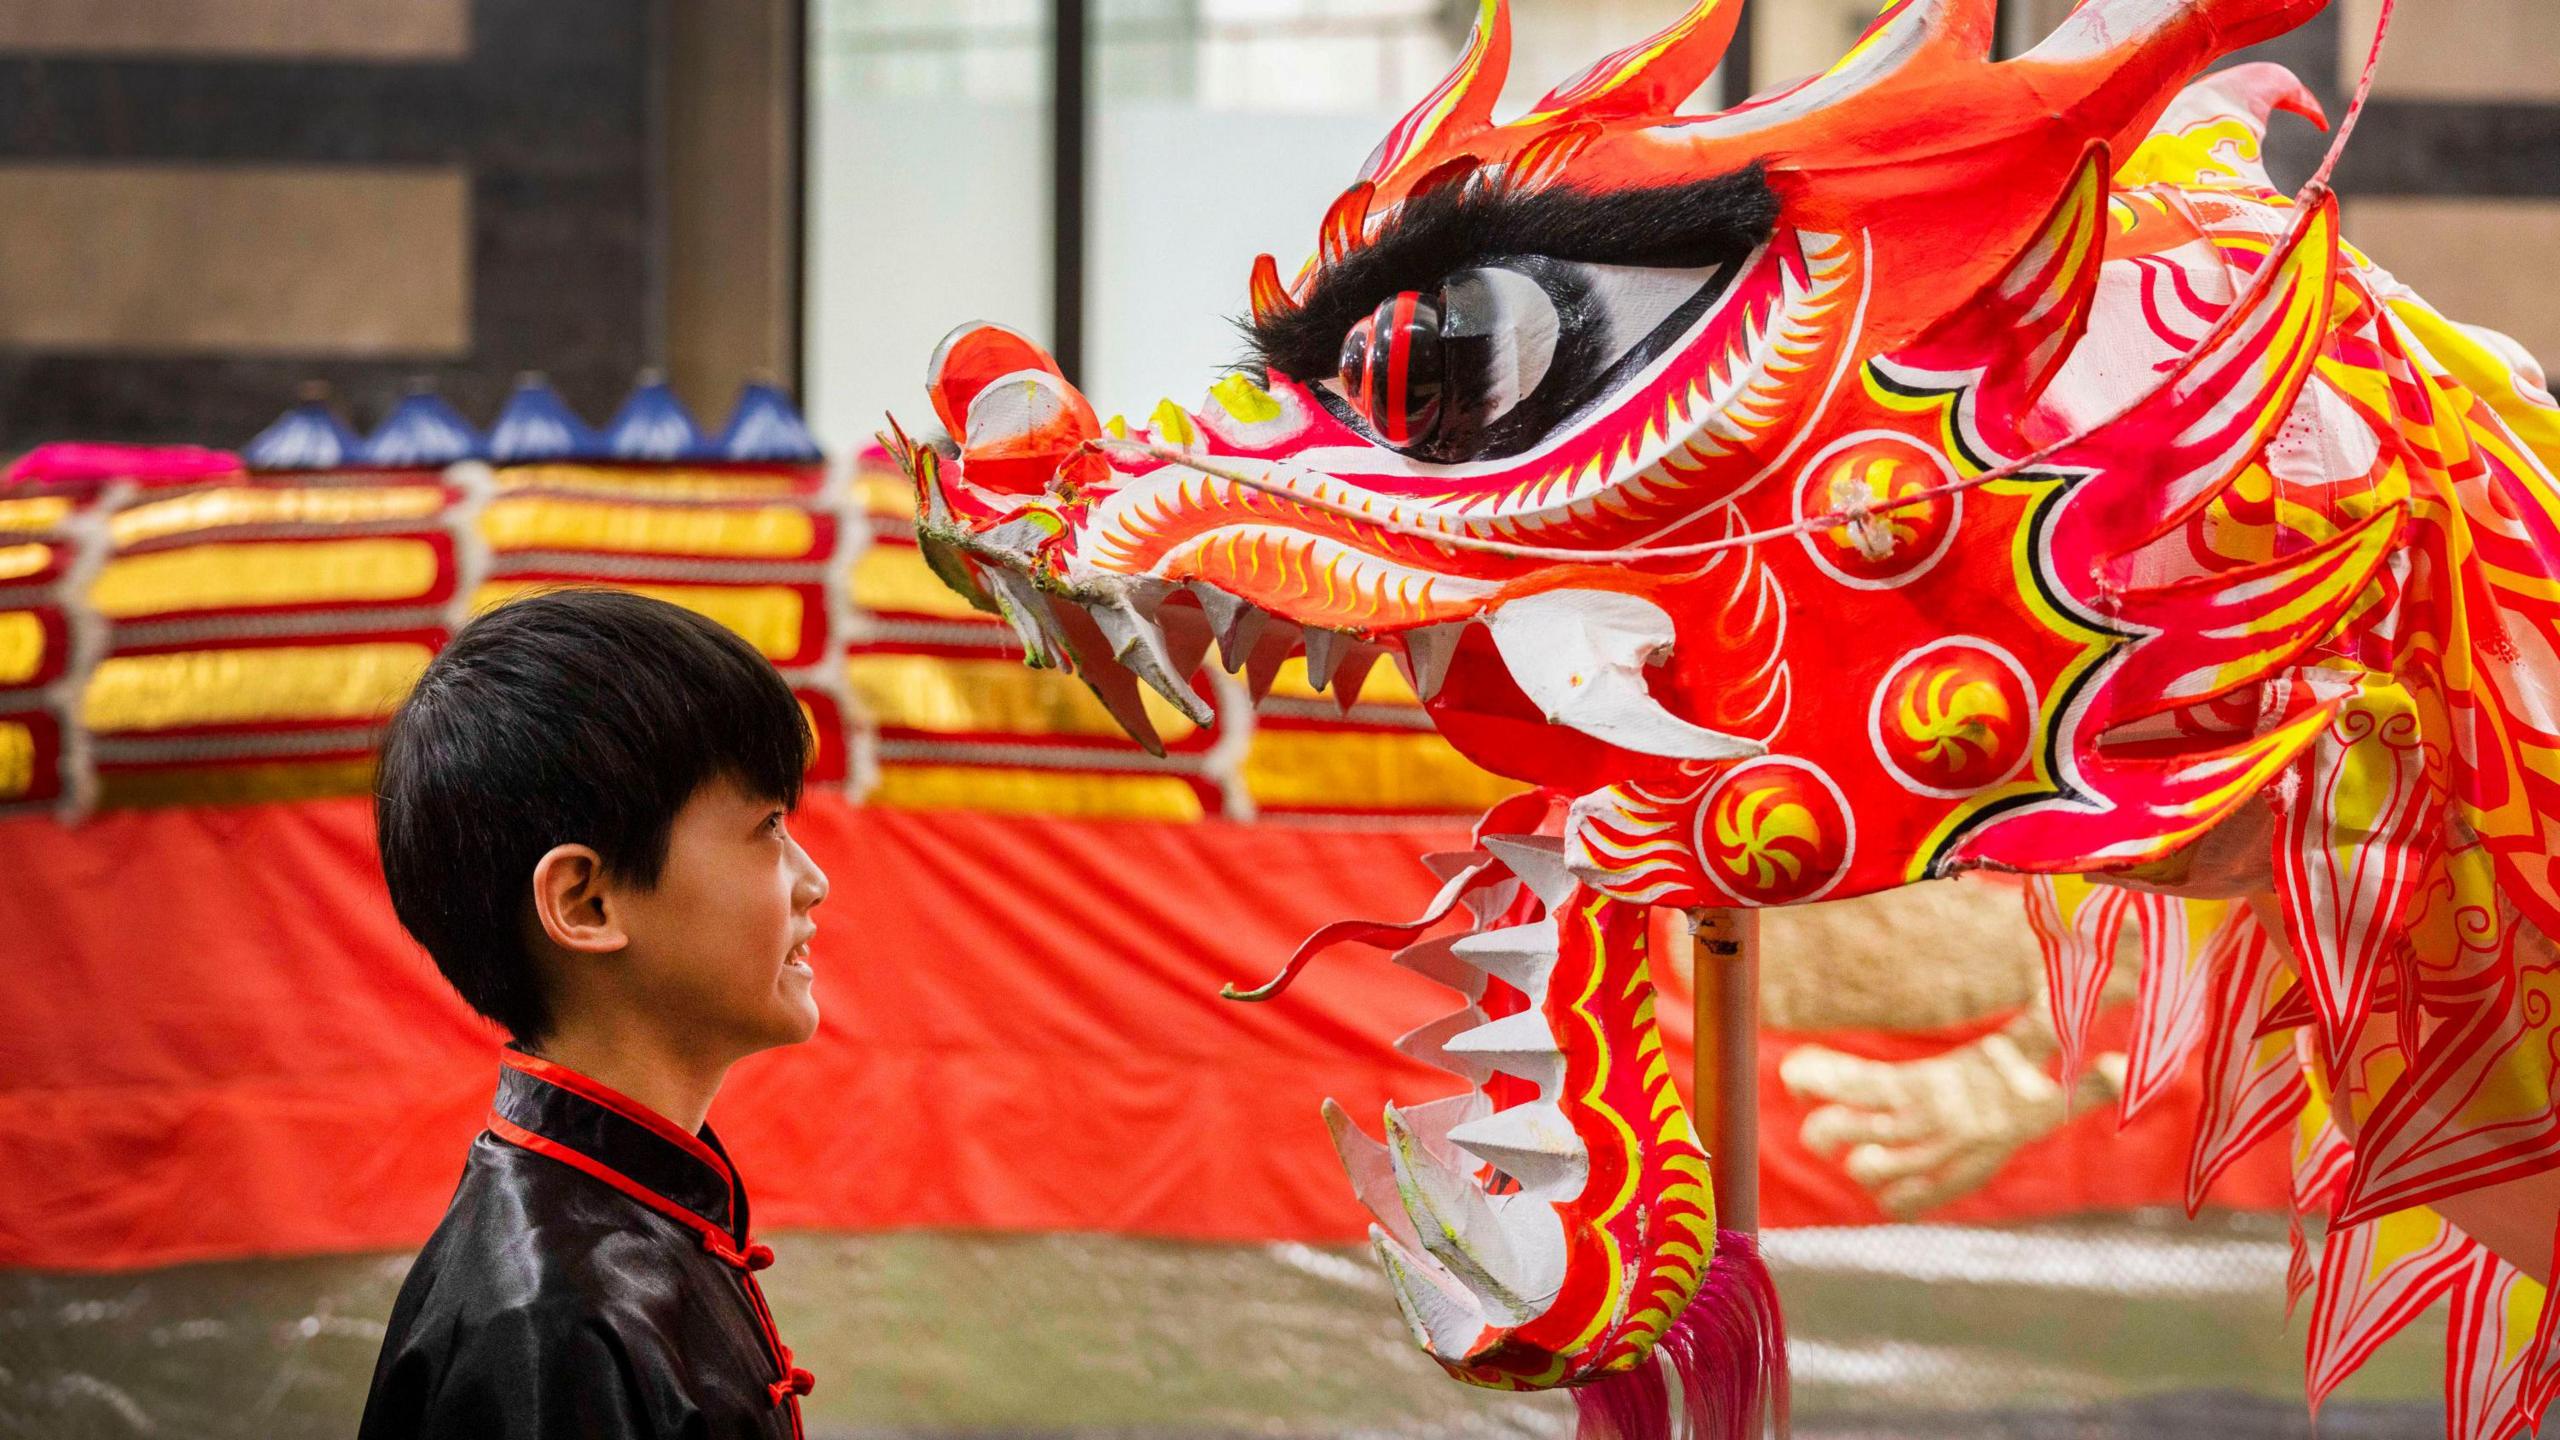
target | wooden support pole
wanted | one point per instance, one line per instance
(1726, 956)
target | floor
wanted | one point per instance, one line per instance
(2132, 1327)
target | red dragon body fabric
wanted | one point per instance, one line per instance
(1937, 464)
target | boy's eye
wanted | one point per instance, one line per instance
(773, 823)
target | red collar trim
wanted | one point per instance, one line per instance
(714, 1239)
(587, 1088)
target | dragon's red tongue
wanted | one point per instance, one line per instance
(1012, 411)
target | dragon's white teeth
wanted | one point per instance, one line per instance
(1522, 956)
(1108, 679)
(1235, 622)
(1429, 1044)
(1444, 1318)
(1325, 652)
(1235, 645)
(1458, 1226)
(1426, 656)
(1270, 652)
(1580, 657)
(1486, 905)
(1351, 673)
(1432, 960)
(1118, 692)
(1138, 642)
(1519, 1045)
(1539, 862)
(1450, 864)
(1433, 1121)
(1186, 638)
(1033, 618)
(1533, 1144)
(1373, 1175)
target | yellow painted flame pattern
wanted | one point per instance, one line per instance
(1753, 830)
(1946, 713)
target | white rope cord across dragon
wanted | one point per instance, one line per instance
(1937, 464)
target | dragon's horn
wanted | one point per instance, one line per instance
(1650, 76)
(1346, 222)
(2114, 65)
(1271, 298)
(1908, 27)
(1461, 105)
(1910, 37)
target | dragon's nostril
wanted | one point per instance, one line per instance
(1014, 413)
(976, 356)
(1019, 405)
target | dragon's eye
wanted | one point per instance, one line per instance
(1393, 368)
(1487, 363)
(1429, 371)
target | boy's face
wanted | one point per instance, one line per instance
(722, 940)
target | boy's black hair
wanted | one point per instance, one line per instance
(568, 717)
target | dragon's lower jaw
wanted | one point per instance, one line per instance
(1553, 1225)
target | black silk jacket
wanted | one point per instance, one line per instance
(592, 1278)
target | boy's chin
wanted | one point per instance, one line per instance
(787, 1015)
(797, 1013)
(791, 1019)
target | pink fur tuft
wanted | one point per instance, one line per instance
(1729, 1349)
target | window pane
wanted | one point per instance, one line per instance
(929, 193)
(1223, 129)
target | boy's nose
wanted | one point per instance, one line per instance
(812, 889)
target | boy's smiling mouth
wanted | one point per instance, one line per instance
(797, 957)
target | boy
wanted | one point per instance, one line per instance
(581, 811)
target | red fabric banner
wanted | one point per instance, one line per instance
(217, 1042)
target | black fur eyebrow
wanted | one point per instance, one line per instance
(1706, 222)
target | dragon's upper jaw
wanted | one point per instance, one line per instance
(1263, 523)
(1309, 516)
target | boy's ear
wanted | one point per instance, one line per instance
(573, 901)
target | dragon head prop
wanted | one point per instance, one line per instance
(1665, 453)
